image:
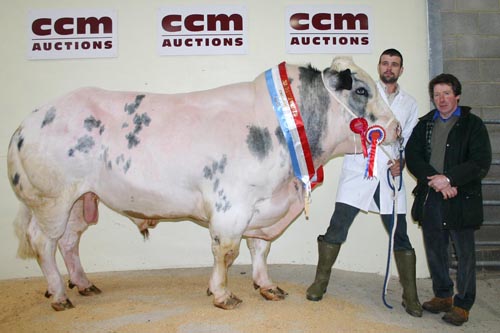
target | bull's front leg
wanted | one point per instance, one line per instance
(259, 249)
(225, 250)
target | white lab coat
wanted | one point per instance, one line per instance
(357, 191)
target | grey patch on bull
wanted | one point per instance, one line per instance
(20, 142)
(84, 145)
(259, 142)
(280, 136)
(314, 105)
(359, 96)
(90, 123)
(132, 139)
(139, 121)
(49, 117)
(127, 165)
(124, 125)
(132, 107)
(15, 179)
(105, 158)
(210, 171)
(119, 159)
(222, 204)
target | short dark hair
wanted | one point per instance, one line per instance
(448, 79)
(392, 53)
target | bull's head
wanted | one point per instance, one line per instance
(356, 93)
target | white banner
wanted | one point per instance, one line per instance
(75, 33)
(202, 30)
(328, 29)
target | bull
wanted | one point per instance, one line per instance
(217, 157)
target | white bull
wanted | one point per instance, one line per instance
(217, 157)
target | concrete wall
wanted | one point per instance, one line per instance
(115, 243)
(471, 51)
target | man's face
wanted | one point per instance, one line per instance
(389, 68)
(445, 99)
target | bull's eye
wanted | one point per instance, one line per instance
(362, 91)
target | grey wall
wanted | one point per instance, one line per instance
(470, 49)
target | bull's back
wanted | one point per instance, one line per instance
(150, 145)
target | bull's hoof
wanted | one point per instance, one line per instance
(61, 306)
(92, 290)
(229, 303)
(273, 294)
(89, 291)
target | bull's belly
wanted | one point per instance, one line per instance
(151, 204)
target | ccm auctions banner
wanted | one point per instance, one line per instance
(202, 30)
(78, 33)
(328, 29)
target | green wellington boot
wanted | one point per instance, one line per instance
(327, 254)
(406, 261)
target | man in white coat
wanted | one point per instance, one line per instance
(355, 192)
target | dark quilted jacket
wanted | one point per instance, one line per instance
(467, 161)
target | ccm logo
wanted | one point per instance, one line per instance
(202, 22)
(327, 21)
(71, 25)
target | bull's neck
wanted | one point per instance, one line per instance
(314, 102)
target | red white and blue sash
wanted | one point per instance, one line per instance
(292, 126)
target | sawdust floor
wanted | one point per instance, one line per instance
(174, 300)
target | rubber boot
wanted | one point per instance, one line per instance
(406, 261)
(327, 254)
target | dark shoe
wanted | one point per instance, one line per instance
(456, 316)
(438, 304)
(327, 254)
(405, 262)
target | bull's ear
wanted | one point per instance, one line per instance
(344, 80)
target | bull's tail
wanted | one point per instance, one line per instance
(21, 224)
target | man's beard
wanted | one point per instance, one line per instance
(386, 80)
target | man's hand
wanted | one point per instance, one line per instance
(396, 167)
(441, 183)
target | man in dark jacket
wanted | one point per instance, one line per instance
(449, 152)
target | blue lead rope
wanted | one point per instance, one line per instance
(391, 225)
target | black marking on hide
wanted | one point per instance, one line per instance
(222, 204)
(259, 142)
(49, 117)
(15, 179)
(280, 136)
(359, 97)
(126, 167)
(211, 173)
(90, 123)
(344, 80)
(124, 125)
(314, 105)
(84, 145)
(20, 142)
(132, 139)
(132, 107)
(139, 122)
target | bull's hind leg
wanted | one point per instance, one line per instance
(225, 249)
(259, 249)
(69, 247)
(46, 227)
